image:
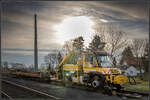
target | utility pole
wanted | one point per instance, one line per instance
(149, 48)
(0, 50)
(35, 45)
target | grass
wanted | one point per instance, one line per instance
(141, 85)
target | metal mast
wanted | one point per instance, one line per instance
(35, 45)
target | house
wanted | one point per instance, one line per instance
(130, 71)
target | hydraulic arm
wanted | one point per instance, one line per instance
(65, 59)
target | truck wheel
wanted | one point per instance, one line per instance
(97, 82)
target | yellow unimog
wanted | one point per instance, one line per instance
(90, 68)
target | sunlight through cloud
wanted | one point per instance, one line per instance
(103, 20)
(71, 27)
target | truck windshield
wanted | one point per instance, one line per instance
(104, 61)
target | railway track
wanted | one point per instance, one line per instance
(130, 94)
(133, 92)
(122, 93)
(6, 96)
(13, 90)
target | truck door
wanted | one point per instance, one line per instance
(89, 61)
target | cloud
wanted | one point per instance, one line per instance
(18, 28)
(137, 9)
(31, 51)
(18, 23)
(18, 19)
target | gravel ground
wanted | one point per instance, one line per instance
(68, 93)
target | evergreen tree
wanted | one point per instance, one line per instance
(96, 44)
(127, 52)
(59, 57)
(78, 43)
(127, 55)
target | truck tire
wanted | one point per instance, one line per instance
(97, 82)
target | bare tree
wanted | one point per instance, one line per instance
(68, 45)
(59, 57)
(76, 43)
(51, 61)
(5, 65)
(19, 66)
(115, 40)
(97, 43)
(42, 66)
(146, 50)
(138, 49)
(145, 57)
(30, 68)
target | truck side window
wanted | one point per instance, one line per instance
(91, 59)
(86, 58)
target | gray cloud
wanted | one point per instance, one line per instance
(134, 9)
(18, 19)
(18, 23)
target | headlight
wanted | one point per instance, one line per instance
(67, 74)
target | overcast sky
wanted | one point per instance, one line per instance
(59, 21)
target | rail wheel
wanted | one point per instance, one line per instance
(118, 86)
(132, 80)
(108, 90)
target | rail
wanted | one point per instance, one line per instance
(9, 97)
(30, 89)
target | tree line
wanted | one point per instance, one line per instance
(107, 38)
(117, 43)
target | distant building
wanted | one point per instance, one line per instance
(130, 71)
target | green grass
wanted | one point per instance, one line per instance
(141, 85)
